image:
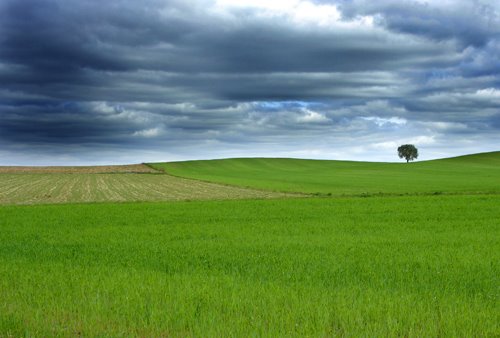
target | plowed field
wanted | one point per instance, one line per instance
(64, 188)
(129, 168)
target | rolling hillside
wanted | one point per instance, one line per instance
(478, 173)
(388, 266)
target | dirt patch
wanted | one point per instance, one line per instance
(33, 188)
(131, 168)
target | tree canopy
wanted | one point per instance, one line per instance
(408, 151)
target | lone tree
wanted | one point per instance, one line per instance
(408, 151)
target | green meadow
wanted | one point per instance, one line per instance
(377, 259)
(478, 173)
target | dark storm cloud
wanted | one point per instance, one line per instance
(472, 23)
(165, 74)
(57, 39)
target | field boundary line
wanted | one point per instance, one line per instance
(301, 194)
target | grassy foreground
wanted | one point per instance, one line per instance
(479, 173)
(392, 266)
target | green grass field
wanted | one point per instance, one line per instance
(393, 266)
(468, 174)
(384, 265)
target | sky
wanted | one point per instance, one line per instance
(127, 81)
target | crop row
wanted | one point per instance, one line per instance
(64, 188)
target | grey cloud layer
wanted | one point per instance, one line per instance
(174, 74)
(472, 23)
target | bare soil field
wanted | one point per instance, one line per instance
(130, 168)
(43, 188)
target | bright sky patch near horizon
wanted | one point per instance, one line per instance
(93, 82)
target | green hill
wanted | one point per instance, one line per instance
(478, 173)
